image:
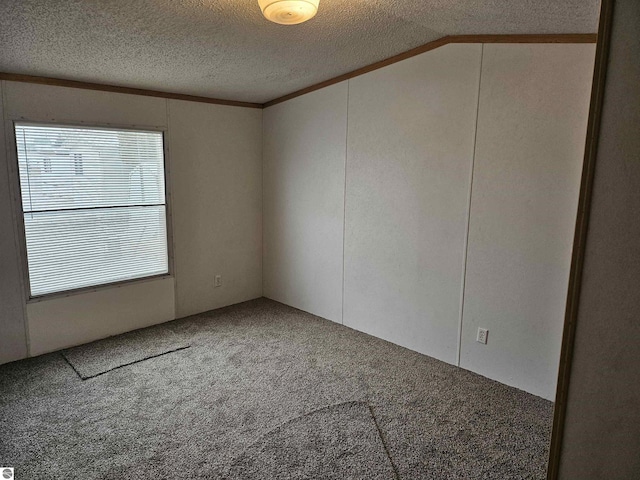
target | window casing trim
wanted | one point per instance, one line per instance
(16, 197)
(98, 288)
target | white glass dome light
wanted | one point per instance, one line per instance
(289, 12)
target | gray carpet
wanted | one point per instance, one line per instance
(201, 412)
(337, 442)
(102, 356)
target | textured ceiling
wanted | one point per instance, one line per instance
(226, 49)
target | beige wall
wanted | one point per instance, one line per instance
(602, 428)
(215, 185)
(532, 123)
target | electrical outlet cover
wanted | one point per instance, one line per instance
(483, 335)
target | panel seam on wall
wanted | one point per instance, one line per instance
(175, 260)
(466, 236)
(344, 196)
(262, 222)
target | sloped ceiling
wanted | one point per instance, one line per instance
(226, 49)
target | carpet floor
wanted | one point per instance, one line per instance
(102, 356)
(268, 391)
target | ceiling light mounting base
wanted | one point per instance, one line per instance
(289, 12)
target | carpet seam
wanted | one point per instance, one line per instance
(312, 412)
(384, 444)
(291, 420)
(124, 364)
(71, 365)
(307, 414)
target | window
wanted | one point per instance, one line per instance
(93, 202)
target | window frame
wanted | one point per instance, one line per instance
(16, 197)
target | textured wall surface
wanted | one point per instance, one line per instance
(532, 123)
(602, 428)
(409, 160)
(226, 49)
(216, 180)
(12, 317)
(304, 162)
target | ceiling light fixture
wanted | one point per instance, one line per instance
(289, 12)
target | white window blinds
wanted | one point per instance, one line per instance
(94, 207)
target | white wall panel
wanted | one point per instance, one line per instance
(67, 321)
(533, 110)
(409, 161)
(304, 161)
(61, 104)
(216, 178)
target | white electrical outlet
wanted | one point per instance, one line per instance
(483, 334)
(217, 281)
